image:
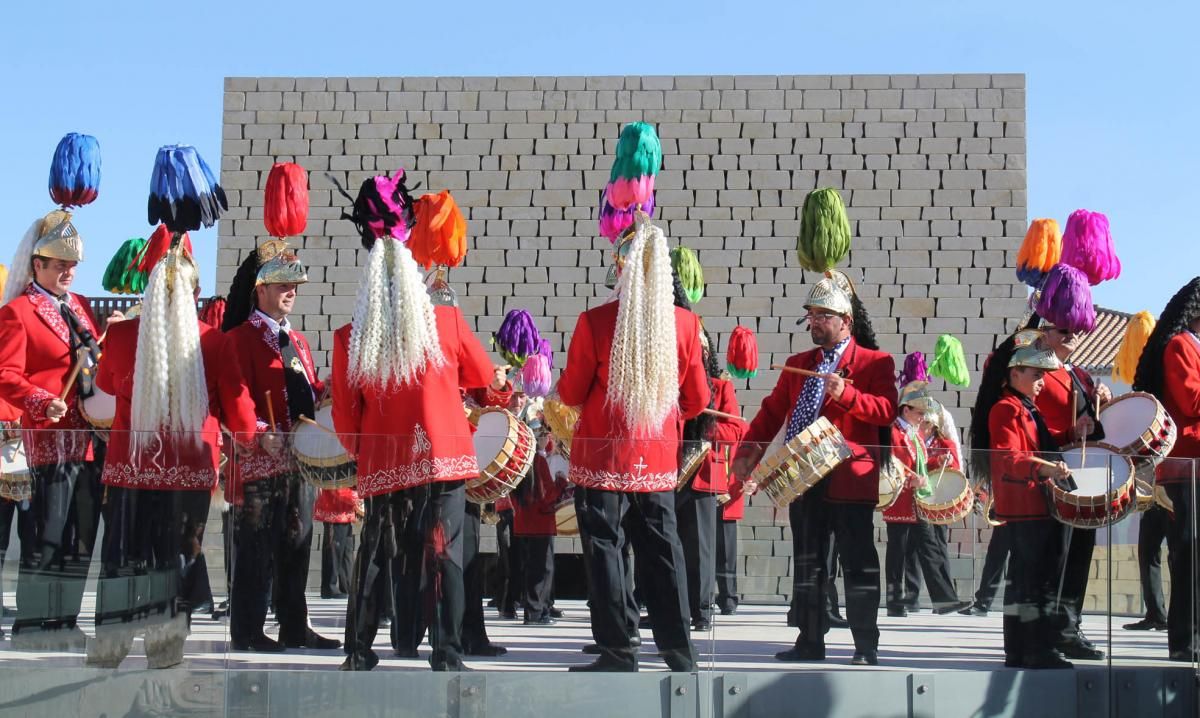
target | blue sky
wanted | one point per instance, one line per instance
(1112, 102)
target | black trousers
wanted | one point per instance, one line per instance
(1077, 564)
(271, 547)
(1183, 613)
(10, 510)
(812, 518)
(65, 517)
(1155, 523)
(917, 544)
(508, 554)
(1033, 619)
(151, 562)
(411, 554)
(994, 563)
(474, 631)
(654, 535)
(697, 515)
(538, 562)
(833, 603)
(337, 558)
(727, 593)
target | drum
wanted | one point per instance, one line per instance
(505, 449)
(564, 514)
(1104, 492)
(15, 481)
(694, 453)
(320, 456)
(561, 420)
(99, 410)
(801, 462)
(1136, 424)
(951, 500)
(891, 481)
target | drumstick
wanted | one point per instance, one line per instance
(320, 426)
(721, 414)
(806, 372)
(74, 374)
(270, 408)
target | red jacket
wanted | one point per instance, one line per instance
(735, 508)
(1054, 402)
(604, 454)
(335, 506)
(256, 348)
(182, 464)
(713, 476)
(35, 361)
(534, 516)
(1015, 480)
(865, 407)
(1181, 399)
(417, 433)
(487, 396)
(904, 511)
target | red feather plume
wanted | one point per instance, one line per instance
(285, 207)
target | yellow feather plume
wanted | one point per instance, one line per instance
(1137, 333)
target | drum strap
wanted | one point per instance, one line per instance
(299, 392)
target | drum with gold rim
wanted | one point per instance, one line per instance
(320, 456)
(505, 448)
(800, 463)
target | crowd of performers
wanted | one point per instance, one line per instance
(641, 436)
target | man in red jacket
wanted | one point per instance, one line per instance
(44, 331)
(1170, 369)
(175, 387)
(1069, 388)
(843, 502)
(273, 503)
(634, 368)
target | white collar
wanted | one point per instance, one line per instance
(46, 292)
(275, 326)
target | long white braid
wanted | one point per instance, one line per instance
(169, 388)
(22, 264)
(643, 377)
(393, 336)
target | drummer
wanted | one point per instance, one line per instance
(534, 528)
(273, 504)
(855, 390)
(1007, 421)
(392, 401)
(1070, 389)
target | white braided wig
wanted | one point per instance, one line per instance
(20, 271)
(393, 335)
(169, 388)
(643, 376)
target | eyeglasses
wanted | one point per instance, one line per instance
(821, 318)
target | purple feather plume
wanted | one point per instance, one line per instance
(1088, 246)
(1067, 300)
(547, 351)
(517, 338)
(914, 369)
(613, 221)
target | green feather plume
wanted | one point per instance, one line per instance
(121, 277)
(824, 231)
(691, 274)
(639, 153)
(949, 362)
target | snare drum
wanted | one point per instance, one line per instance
(1136, 424)
(561, 420)
(99, 410)
(951, 500)
(320, 456)
(1104, 492)
(564, 514)
(694, 453)
(800, 463)
(891, 481)
(505, 449)
(15, 481)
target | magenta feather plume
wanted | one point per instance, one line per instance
(1087, 245)
(914, 369)
(627, 193)
(613, 221)
(536, 376)
(1066, 300)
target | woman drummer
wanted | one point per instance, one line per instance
(1007, 421)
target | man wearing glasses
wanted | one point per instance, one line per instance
(855, 389)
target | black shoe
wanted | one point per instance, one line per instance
(488, 650)
(493, 603)
(1013, 661)
(836, 621)
(1050, 660)
(605, 665)
(729, 610)
(220, 610)
(546, 620)
(360, 661)
(591, 649)
(555, 612)
(311, 639)
(406, 653)
(897, 612)
(865, 658)
(644, 622)
(1084, 639)
(509, 615)
(1184, 655)
(974, 609)
(952, 608)
(1146, 624)
(796, 654)
(701, 624)
(340, 594)
(1080, 650)
(261, 644)
(635, 641)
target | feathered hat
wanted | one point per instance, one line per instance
(1040, 251)
(1031, 351)
(833, 293)
(615, 222)
(824, 230)
(639, 157)
(1066, 299)
(950, 361)
(75, 171)
(691, 275)
(1087, 245)
(184, 192)
(1137, 334)
(285, 214)
(537, 374)
(439, 234)
(741, 357)
(914, 369)
(517, 338)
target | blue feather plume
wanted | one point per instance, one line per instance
(75, 170)
(184, 194)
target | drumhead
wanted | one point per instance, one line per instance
(12, 459)
(1100, 471)
(947, 486)
(316, 445)
(99, 408)
(493, 432)
(1126, 418)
